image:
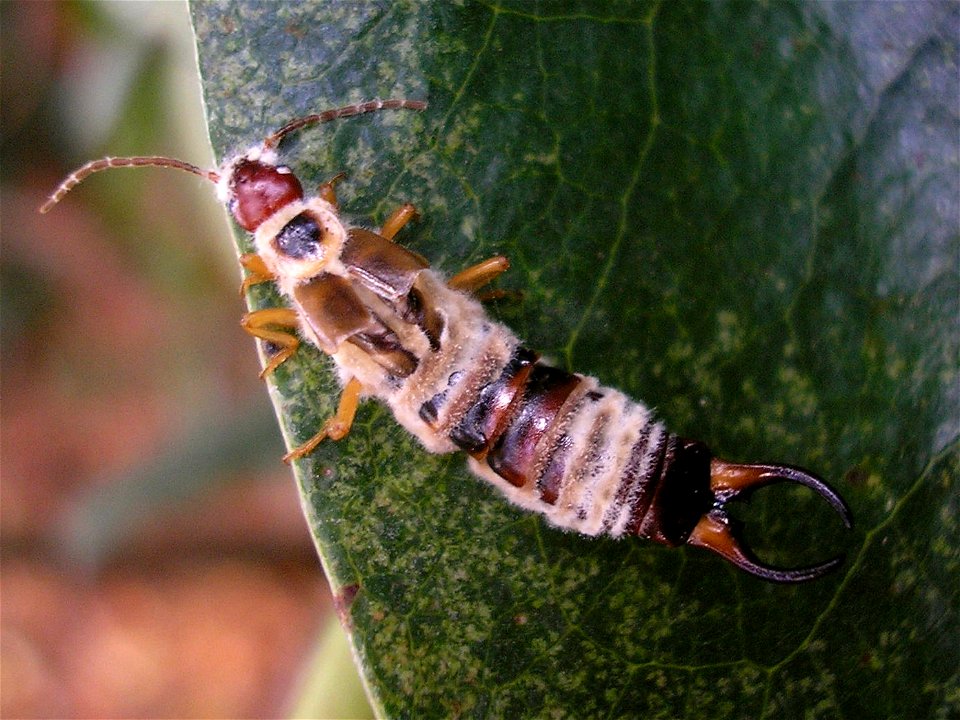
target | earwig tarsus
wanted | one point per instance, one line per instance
(587, 457)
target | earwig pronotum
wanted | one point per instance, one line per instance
(587, 457)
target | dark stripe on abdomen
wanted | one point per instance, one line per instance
(512, 454)
(588, 457)
(512, 414)
(484, 421)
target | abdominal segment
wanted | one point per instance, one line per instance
(587, 457)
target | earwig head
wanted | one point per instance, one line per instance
(255, 187)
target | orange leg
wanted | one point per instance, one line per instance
(259, 272)
(336, 427)
(258, 323)
(499, 295)
(398, 218)
(476, 276)
(327, 191)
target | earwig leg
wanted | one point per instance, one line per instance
(259, 272)
(336, 427)
(499, 294)
(327, 191)
(397, 220)
(476, 276)
(258, 323)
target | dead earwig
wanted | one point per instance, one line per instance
(587, 457)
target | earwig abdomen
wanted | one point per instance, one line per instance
(580, 454)
(555, 442)
(587, 457)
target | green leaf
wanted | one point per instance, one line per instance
(744, 214)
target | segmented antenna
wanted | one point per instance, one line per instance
(346, 111)
(74, 178)
(271, 141)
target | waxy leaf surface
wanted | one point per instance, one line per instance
(745, 215)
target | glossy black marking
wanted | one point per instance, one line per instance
(417, 312)
(430, 410)
(300, 238)
(682, 495)
(385, 349)
(544, 393)
(475, 432)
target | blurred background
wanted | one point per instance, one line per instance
(155, 561)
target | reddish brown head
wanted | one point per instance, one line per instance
(258, 190)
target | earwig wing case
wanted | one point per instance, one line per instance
(744, 216)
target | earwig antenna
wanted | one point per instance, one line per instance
(74, 178)
(271, 141)
(347, 111)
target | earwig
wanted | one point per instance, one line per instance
(587, 457)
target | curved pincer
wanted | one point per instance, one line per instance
(688, 506)
(717, 532)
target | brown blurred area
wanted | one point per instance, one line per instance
(147, 568)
